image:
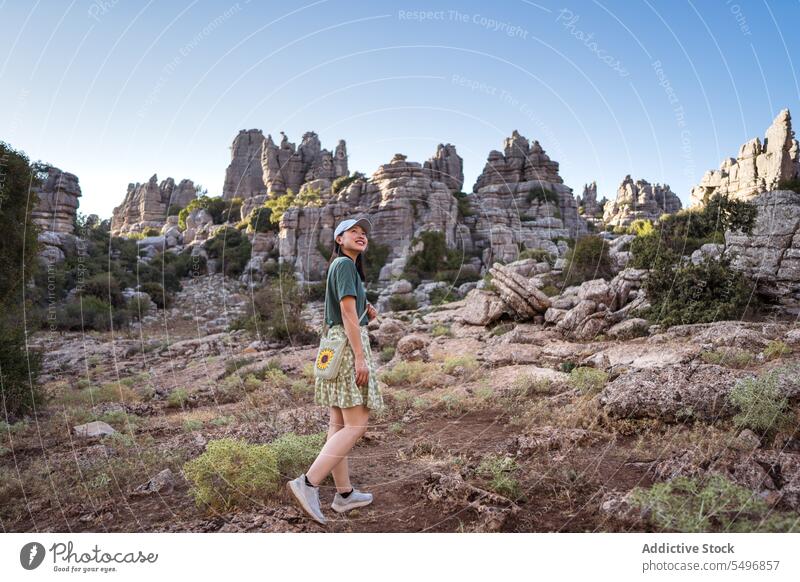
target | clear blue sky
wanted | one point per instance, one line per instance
(116, 90)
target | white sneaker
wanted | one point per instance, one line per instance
(307, 497)
(355, 499)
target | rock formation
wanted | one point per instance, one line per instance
(402, 199)
(447, 166)
(640, 200)
(244, 175)
(759, 167)
(520, 293)
(58, 201)
(288, 168)
(520, 201)
(591, 208)
(770, 255)
(145, 205)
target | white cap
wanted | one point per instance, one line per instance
(350, 223)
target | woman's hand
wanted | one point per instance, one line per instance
(362, 371)
(372, 313)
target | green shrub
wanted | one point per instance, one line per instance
(402, 302)
(761, 403)
(233, 366)
(588, 380)
(178, 398)
(640, 227)
(464, 207)
(275, 312)
(434, 257)
(543, 195)
(259, 220)
(776, 349)
(104, 287)
(232, 247)
(701, 293)
(441, 329)
(280, 204)
(374, 259)
(501, 470)
(539, 255)
(343, 182)
(465, 365)
(587, 260)
(19, 370)
(295, 453)
(687, 230)
(315, 291)
(692, 505)
(91, 313)
(405, 373)
(232, 473)
(174, 210)
(387, 354)
(441, 295)
(732, 358)
(157, 294)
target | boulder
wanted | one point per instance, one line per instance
(518, 292)
(482, 308)
(673, 393)
(93, 429)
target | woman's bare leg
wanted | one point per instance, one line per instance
(340, 471)
(337, 446)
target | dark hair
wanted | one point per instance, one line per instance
(337, 252)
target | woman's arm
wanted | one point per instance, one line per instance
(353, 331)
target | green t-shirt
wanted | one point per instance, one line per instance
(343, 280)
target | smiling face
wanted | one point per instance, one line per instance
(353, 239)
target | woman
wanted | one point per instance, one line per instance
(355, 389)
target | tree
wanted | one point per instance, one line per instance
(19, 366)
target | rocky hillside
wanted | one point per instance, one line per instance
(504, 428)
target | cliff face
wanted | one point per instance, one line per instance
(520, 200)
(145, 205)
(244, 177)
(758, 168)
(58, 201)
(640, 200)
(770, 255)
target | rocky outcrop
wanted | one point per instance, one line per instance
(759, 167)
(244, 175)
(588, 200)
(520, 201)
(673, 393)
(401, 199)
(582, 313)
(518, 292)
(285, 167)
(447, 166)
(770, 255)
(145, 205)
(640, 200)
(58, 201)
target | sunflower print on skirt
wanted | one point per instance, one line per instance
(342, 391)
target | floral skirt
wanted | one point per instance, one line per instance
(342, 391)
